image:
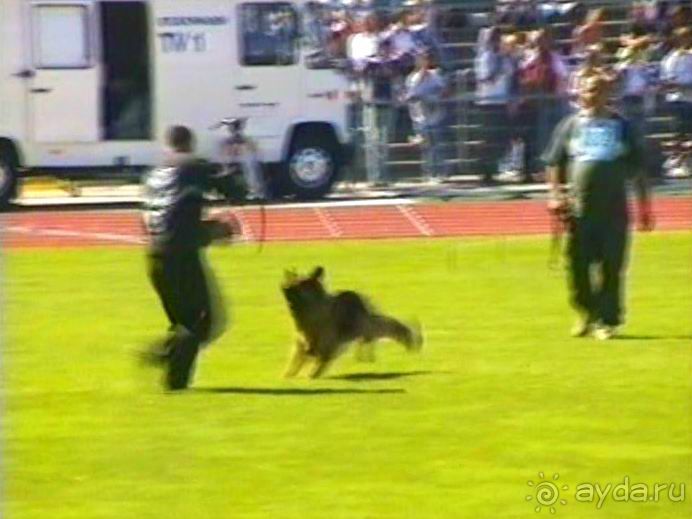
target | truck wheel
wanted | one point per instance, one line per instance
(312, 165)
(8, 177)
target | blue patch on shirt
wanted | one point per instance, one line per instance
(598, 140)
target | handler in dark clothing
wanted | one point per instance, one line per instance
(597, 151)
(174, 199)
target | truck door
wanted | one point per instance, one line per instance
(268, 85)
(64, 81)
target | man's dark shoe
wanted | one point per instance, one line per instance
(180, 365)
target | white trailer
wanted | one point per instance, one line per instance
(88, 87)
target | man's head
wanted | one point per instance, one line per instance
(180, 139)
(593, 93)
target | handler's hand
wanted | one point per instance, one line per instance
(646, 220)
(557, 205)
(223, 228)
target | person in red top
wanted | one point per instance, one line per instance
(543, 77)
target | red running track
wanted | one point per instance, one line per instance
(110, 227)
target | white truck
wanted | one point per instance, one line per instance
(88, 87)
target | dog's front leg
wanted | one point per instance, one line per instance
(297, 359)
(321, 365)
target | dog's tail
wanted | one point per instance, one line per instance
(383, 326)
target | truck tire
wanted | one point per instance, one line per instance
(8, 176)
(313, 164)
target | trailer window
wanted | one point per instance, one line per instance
(326, 29)
(268, 34)
(61, 36)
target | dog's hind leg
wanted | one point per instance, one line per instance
(365, 352)
(297, 360)
(385, 327)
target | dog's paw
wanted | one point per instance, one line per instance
(417, 339)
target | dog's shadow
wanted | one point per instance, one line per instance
(625, 337)
(294, 391)
(391, 375)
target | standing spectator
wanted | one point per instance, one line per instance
(637, 21)
(423, 22)
(543, 77)
(634, 72)
(425, 89)
(589, 33)
(378, 94)
(513, 166)
(404, 47)
(596, 151)
(676, 77)
(494, 76)
(360, 46)
(400, 34)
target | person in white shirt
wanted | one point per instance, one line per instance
(676, 77)
(363, 44)
(360, 47)
(376, 76)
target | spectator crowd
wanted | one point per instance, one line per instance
(405, 83)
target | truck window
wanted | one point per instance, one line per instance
(268, 34)
(326, 29)
(61, 37)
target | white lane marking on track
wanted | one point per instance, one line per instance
(65, 233)
(416, 220)
(329, 222)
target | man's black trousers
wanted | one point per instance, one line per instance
(600, 244)
(190, 299)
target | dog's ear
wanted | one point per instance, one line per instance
(290, 276)
(318, 273)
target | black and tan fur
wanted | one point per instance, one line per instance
(327, 323)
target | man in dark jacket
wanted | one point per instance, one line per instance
(173, 207)
(597, 152)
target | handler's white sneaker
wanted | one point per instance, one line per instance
(604, 332)
(582, 326)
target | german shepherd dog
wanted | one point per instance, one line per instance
(326, 323)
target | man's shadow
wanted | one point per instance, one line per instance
(294, 391)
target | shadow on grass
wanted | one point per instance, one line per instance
(652, 337)
(382, 376)
(293, 391)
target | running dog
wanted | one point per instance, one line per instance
(326, 323)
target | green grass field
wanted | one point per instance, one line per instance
(499, 393)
